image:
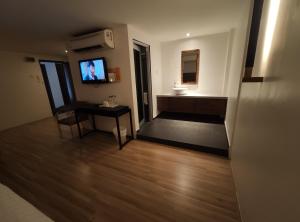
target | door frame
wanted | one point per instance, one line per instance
(149, 76)
(139, 79)
(64, 88)
(48, 89)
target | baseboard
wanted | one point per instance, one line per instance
(105, 132)
(24, 123)
(228, 140)
(236, 193)
(227, 133)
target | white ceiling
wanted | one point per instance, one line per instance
(42, 26)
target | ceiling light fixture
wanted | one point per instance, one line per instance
(188, 34)
(66, 51)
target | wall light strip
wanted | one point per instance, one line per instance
(271, 25)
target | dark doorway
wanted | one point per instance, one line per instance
(58, 82)
(143, 81)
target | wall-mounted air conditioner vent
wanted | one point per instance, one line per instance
(95, 40)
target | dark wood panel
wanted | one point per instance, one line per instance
(211, 106)
(182, 105)
(254, 32)
(253, 79)
(91, 180)
(196, 105)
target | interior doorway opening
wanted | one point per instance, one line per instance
(58, 82)
(142, 65)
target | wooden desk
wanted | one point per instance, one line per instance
(94, 109)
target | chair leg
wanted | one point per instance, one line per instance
(72, 132)
(60, 132)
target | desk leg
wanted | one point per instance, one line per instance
(94, 122)
(119, 134)
(131, 127)
(78, 125)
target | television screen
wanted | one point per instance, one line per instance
(93, 70)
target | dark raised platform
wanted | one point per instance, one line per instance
(192, 117)
(206, 137)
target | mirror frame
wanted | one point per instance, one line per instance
(197, 52)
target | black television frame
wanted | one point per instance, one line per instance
(94, 81)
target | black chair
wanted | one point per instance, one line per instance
(65, 115)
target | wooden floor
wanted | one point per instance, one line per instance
(91, 180)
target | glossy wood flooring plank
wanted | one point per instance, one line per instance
(91, 180)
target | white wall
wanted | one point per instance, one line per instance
(236, 64)
(23, 95)
(265, 149)
(125, 90)
(212, 68)
(155, 54)
(118, 57)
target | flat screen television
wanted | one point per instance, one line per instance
(93, 70)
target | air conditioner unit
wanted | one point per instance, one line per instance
(95, 40)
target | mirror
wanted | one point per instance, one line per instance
(190, 66)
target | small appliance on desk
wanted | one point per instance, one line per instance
(111, 102)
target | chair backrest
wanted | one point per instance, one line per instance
(67, 113)
(64, 114)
